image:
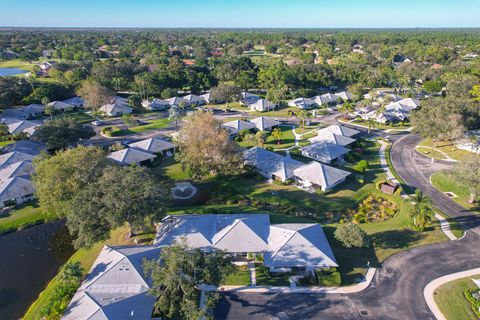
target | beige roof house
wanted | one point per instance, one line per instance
(264, 123)
(315, 174)
(117, 107)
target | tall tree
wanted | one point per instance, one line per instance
(467, 174)
(225, 93)
(94, 94)
(60, 133)
(177, 280)
(205, 147)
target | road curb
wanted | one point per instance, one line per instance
(430, 288)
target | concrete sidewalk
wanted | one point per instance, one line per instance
(445, 225)
(314, 289)
(430, 288)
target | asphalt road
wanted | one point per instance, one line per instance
(396, 291)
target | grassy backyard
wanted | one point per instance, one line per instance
(451, 300)
(17, 63)
(444, 183)
(445, 147)
(154, 124)
(6, 143)
(86, 257)
(240, 278)
(22, 217)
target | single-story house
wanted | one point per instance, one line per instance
(269, 164)
(60, 106)
(20, 126)
(325, 99)
(155, 146)
(248, 98)
(155, 104)
(264, 124)
(130, 156)
(234, 127)
(176, 101)
(299, 246)
(76, 102)
(344, 95)
(318, 175)
(207, 97)
(324, 151)
(16, 190)
(116, 286)
(330, 137)
(194, 100)
(14, 157)
(17, 169)
(339, 130)
(33, 110)
(9, 115)
(29, 147)
(262, 105)
(302, 103)
(285, 246)
(117, 107)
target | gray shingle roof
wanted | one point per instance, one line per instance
(118, 105)
(130, 155)
(153, 145)
(324, 151)
(340, 130)
(320, 174)
(116, 287)
(15, 187)
(13, 157)
(270, 163)
(328, 136)
(22, 168)
(263, 123)
(298, 244)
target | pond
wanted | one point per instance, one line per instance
(29, 260)
(11, 71)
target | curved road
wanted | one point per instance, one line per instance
(397, 289)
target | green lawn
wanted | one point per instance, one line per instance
(23, 216)
(428, 152)
(448, 148)
(272, 279)
(80, 117)
(171, 169)
(86, 257)
(240, 278)
(455, 227)
(6, 143)
(288, 139)
(154, 124)
(17, 63)
(382, 126)
(444, 183)
(451, 300)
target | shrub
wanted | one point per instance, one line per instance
(376, 208)
(351, 235)
(473, 296)
(328, 277)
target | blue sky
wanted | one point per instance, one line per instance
(241, 14)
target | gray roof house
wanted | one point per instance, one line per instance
(302, 103)
(16, 190)
(264, 124)
(261, 105)
(13, 114)
(234, 127)
(328, 136)
(248, 98)
(319, 175)
(60, 106)
(116, 286)
(344, 95)
(324, 151)
(175, 101)
(33, 110)
(155, 104)
(130, 156)
(17, 169)
(325, 99)
(300, 245)
(208, 98)
(339, 130)
(117, 107)
(193, 99)
(13, 157)
(22, 126)
(283, 246)
(30, 147)
(154, 145)
(269, 164)
(76, 102)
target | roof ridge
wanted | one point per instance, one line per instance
(286, 241)
(229, 229)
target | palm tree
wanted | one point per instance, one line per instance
(421, 200)
(277, 134)
(175, 113)
(421, 217)
(303, 115)
(117, 83)
(346, 108)
(371, 123)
